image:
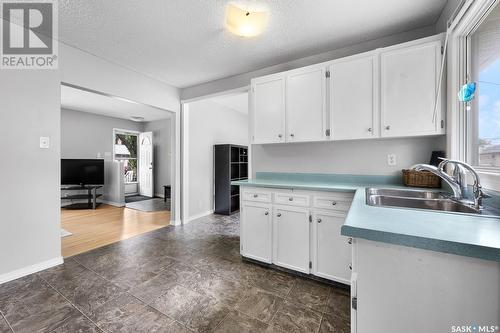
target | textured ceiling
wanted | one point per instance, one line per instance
(79, 100)
(184, 43)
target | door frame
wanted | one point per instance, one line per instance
(175, 170)
(184, 145)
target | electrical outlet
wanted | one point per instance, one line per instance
(391, 159)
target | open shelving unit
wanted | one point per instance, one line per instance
(230, 163)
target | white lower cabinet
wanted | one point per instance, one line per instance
(256, 231)
(297, 230)
(331, 251)
(291, 238)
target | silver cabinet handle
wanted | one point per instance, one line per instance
(255, 195)
(290, 199)
(292, 135)
(388, 127)
(370, 130)
(278, 215)
(279, 135)
(334, 203)
(350, 267)
(319, 220)
(266, 213)
(349, 240)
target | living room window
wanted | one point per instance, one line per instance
(125, 149)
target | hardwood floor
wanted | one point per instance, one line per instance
(105, 225)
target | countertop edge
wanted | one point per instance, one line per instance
(424, 243)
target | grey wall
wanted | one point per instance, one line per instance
(84, 135)
(209, 124)
(162, 152)
(368, 157)
(29, 199)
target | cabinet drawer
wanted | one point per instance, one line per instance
(335, 201)
(257, 195)
(291, 199)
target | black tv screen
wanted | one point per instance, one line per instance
(82, 172)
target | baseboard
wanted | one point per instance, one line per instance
(112, 203)
(18, 273)
(197, 216)
(159, 195)
(175, 222)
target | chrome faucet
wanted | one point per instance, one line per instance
(460, 176)
(457, 182)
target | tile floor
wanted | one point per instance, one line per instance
(175, 279)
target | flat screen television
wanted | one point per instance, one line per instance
(82, 172)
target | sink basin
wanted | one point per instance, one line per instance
(394, 192)
(415, 199)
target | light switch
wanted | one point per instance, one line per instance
(44, 142)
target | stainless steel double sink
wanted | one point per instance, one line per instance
(417, 199)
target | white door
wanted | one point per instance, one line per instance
(408, 90)
(331, 251)
(268, 109)
(353, 98)
(291, 238)
(146, 164)
(256, 231)
(305, 105)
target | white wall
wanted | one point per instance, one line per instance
(30, 108)
(88, 71)
(367, 157)
(85, 135)
(29, 199)
(162, 152)
(209, 124)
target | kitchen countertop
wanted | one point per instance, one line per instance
(455, 233)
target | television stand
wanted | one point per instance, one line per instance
(91, 196)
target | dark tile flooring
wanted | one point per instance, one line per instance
(175, 279)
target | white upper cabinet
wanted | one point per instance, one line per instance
(388, 92)
(305, 104)
(409, 76)
(268, 109)
(354, 98)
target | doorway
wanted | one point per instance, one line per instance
(135, 143)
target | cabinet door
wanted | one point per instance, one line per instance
(268, 109)
(353, 98)
(305, 107)
(256, 231)
(408, 90)
(291, 238)
(331, 251)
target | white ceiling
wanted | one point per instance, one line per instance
(237, 102)
(79, 100)
(184, 43)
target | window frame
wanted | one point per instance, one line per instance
(461, 123)
(125, 131)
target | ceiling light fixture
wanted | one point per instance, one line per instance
(137, 118)
(246, 19)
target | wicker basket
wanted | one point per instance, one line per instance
(420, 179)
